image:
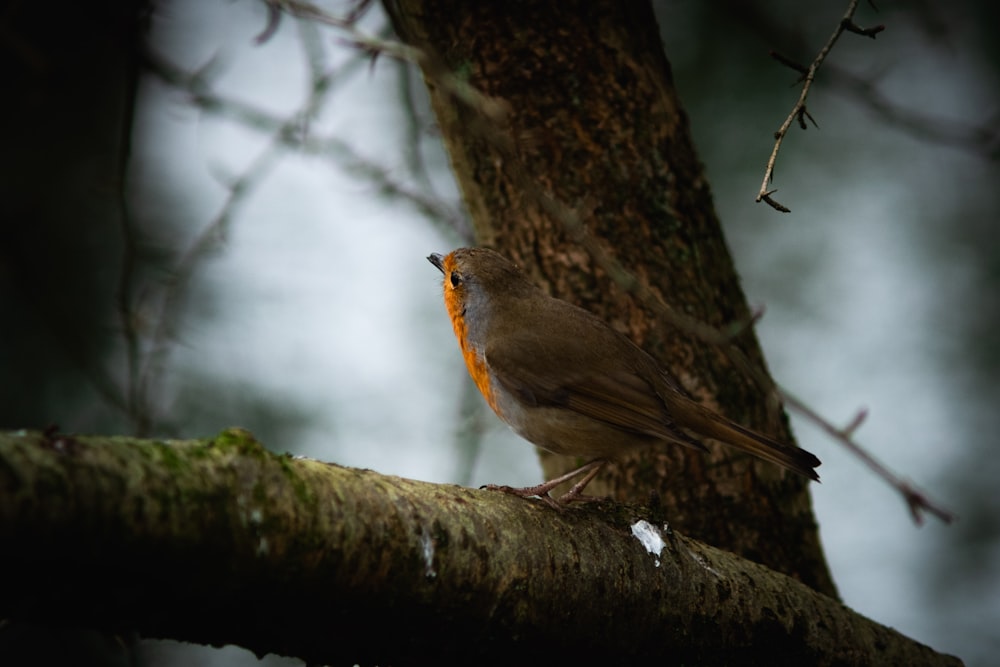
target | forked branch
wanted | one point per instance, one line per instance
(799, 112)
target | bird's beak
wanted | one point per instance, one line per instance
(437, 260)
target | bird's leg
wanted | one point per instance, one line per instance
(575, 492)
(542, 490)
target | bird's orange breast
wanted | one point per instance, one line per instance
(474, 360)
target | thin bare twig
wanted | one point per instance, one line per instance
(147, 360)
(449, 218)
(916, 501)
(340, 152)
(415, 131)
(846, 24)
(982, 139)
(175, 290)
(173, 293)
(492, 108)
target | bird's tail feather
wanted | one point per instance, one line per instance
(709, 424)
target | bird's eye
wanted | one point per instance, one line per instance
(456, 279)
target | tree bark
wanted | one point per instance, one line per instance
(595, 152)
(219, 541)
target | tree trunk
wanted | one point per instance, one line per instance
(594, 157)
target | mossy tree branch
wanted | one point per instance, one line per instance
(219, 541)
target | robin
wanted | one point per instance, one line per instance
(569, 383)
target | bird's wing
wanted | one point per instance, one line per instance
(546, 374)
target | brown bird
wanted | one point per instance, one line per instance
(567, 382)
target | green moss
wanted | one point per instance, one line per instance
(201, 451)
(241, 442)
(302, 490)
(169, 457)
